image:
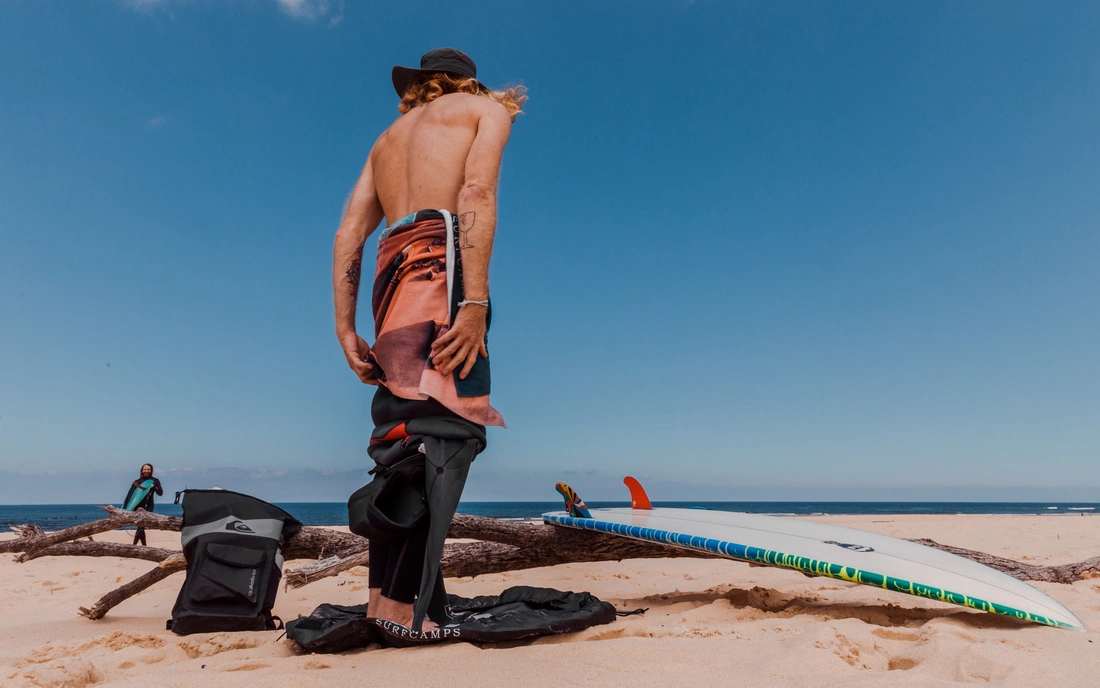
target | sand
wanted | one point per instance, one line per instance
(710, 622)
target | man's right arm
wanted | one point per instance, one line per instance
(460, 347)
(361, 217)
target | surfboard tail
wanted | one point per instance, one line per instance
(573, 502)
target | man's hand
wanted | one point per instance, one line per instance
(463, 343)
(358, 353)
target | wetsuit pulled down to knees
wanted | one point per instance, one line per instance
(433, 422)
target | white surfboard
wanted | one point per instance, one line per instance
(822, 549)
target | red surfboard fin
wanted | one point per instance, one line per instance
(638, 498)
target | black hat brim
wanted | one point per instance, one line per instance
(403, 77)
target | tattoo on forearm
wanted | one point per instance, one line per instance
(466, 222)
(354, 272)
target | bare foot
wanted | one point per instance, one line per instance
(392, 610)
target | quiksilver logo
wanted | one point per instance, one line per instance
(846, 545)
(239, 526)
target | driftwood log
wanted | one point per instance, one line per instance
(498, 546)
(166, 568)
(27, 530)
(1063, 573)
(100, 549)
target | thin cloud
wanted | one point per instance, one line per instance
(312, 10)
(156, 123)
(305, 10)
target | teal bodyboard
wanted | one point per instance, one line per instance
(138, 494)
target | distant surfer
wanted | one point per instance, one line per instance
(140, 496)
(433, 176)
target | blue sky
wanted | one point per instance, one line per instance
(745, 250)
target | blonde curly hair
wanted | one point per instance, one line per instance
(428, 89)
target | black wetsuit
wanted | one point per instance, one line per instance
(146, 504)
(398, 566)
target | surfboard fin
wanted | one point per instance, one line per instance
(573, 502)
(638, 498)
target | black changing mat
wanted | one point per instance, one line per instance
(519, 612)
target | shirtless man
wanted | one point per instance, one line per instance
(442, 153)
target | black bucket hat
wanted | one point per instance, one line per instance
(441, 60)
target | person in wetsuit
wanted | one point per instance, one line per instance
(442, 154)
(147, 503)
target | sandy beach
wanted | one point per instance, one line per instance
(710, 622)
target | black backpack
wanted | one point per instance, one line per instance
(234, 562)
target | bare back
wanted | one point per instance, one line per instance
(442, 155)
(420, 161)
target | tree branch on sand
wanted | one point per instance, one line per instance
(27, 530)
(1063, 573)
(166, 568)
(117, 518)
(497, 546)
(100, 549)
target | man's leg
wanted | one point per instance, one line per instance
(394, 577)
(379, 558)
(140, 535)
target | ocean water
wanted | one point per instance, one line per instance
(58, 516)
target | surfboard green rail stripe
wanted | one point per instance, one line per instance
(816, 567)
